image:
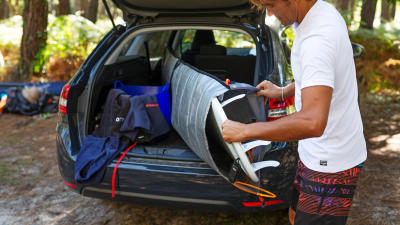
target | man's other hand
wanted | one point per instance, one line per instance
(233, 131)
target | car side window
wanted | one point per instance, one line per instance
(156, 42)
(235, 43)
(187, 40)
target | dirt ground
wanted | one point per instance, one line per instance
(32, 191)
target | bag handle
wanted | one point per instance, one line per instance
(118, 83)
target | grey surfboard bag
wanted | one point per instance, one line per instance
(194, 118)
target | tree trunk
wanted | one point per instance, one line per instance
(84, 8)
(63, 8)
(385, 14)
(34, 37)
(4, 10)
(13, 6)
(53, 7)
(368, 14)
(352, 9)
(92, 14)
(392, 13)
(76, 5)
(343, 5)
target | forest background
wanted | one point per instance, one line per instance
(47, 40)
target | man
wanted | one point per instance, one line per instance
(327, 122)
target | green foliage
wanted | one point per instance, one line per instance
(71, 35)
(10, 39)
(187, 40)
(231, 39)
(26, 5)
(381, 45)
(11, 32)
(68, 35)
(380, 84)
(388, 34)
(347, 16)
(289, 32)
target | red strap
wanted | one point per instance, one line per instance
(116, 167)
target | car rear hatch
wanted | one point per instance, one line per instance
(237, 11)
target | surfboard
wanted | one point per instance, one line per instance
(238, 150)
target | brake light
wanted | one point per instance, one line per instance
(279, 108)
(261, 202)
(62, 105)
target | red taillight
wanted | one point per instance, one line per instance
(62, 105)
(279, 108)
(257, 204)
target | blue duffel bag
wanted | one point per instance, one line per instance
(162, 92)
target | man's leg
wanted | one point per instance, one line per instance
(295, 197)
(325, 198)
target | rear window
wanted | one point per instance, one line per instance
(236, 43)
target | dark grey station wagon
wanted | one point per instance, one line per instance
(219, 39)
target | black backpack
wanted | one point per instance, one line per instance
(16, 103)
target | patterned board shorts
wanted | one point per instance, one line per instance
(323, 198)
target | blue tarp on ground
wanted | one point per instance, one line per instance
(53, 88)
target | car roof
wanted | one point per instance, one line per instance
(237, 11)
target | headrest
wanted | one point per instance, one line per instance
(202, 37)
(212, 50)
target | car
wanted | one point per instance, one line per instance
(222, 40)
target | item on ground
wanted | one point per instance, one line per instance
(31, 94)
(3, 101)
(42, 101)
(30, 98)
(43, 116)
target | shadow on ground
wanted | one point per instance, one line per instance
(377, 199)
(32, 192)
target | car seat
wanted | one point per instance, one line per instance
(201, 37)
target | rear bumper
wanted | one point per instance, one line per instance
(189, 185)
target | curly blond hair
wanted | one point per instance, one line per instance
(258, 4)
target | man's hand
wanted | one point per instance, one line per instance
(233, 131)
(268, 90)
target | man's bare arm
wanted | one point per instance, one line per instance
(288, 91)
(309, 122)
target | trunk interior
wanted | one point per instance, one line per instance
(152, 71)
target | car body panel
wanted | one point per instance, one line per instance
(199, 5)
(136, 11)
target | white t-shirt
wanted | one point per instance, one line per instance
(322, 55)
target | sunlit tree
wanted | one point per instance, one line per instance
(34, 38)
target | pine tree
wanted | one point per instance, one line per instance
(4, 10)
(368, 13)
(34, 37)
(93, 7)
(63, 7)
